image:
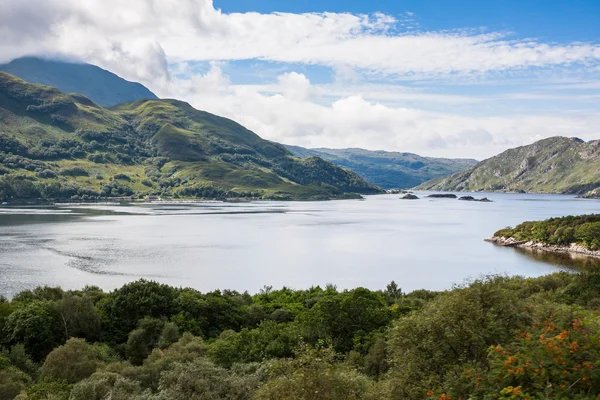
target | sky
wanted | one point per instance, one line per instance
(443, 78)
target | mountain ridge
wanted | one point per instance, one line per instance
(553, 165)
(101, 86)
(387, 169)
(64, 146)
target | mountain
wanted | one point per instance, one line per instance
(101, 86)
(554, 165)
(57, 146)
(388, 169)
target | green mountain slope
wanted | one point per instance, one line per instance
(388, 169)
(101, 86)
(60, 146)
(554, 165)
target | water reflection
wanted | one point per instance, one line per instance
(572, 261)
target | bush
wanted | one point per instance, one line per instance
(73, 361)
(202, 380)
(73, 171)
(314, 374)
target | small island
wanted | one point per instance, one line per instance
(442, 196)
(471, 198)
(578, 235)
(409, 196)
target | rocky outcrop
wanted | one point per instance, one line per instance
(443, 196)
(573, 248)
(471, 198)
(409, 196)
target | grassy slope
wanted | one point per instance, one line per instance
(388, 169)
(554, 165)
(160, 147)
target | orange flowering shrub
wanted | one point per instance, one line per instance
(551, 359)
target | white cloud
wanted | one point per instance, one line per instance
(139, 39)
(352, 121)
(114, 33)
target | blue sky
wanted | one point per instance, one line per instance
(548, 20)
(447, 78)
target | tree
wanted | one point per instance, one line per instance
(314, 375)
(74, 361)
(5, 310)
(187, 349)
(79, 317)
(202, 380)
(430, 349)
(346, 318)
(393, 293)
(142, 340)
(12, 380)
(108, 385)
(37, 325)
(589, 234)
(124, 307)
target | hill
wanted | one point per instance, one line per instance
(101, 86)
(388, 169)
(554, 165)
(64, 146)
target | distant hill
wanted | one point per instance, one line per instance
(554, 165)
(64, 146)
(101, 86)
(388, 169)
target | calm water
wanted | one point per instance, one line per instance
(419, 244)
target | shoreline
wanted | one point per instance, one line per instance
(572, 249)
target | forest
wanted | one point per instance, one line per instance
(562, 231)
(495, 337)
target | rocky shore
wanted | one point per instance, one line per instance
(571, 249)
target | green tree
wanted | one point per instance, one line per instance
(589, 234)
(108, 385)
(79, 317)
(12, 380)
(74, 361)
(429, 349)
(142, 340)
(315, 375)
(346, 319)
(124, 307)
(37, 325)
(202, 380)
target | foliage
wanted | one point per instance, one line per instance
(492, 338)
(37, 326)
(584, 229)
(202, 380)
(74, 361)
(315, 375)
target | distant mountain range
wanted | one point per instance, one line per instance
(388, 169)
(65, 146)
(102, 87)
(554, 165)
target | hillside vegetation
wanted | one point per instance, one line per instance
(495, 338)
(388, 169)
(554, 165)
(101, 86)
(583, 230)
(64, 146)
